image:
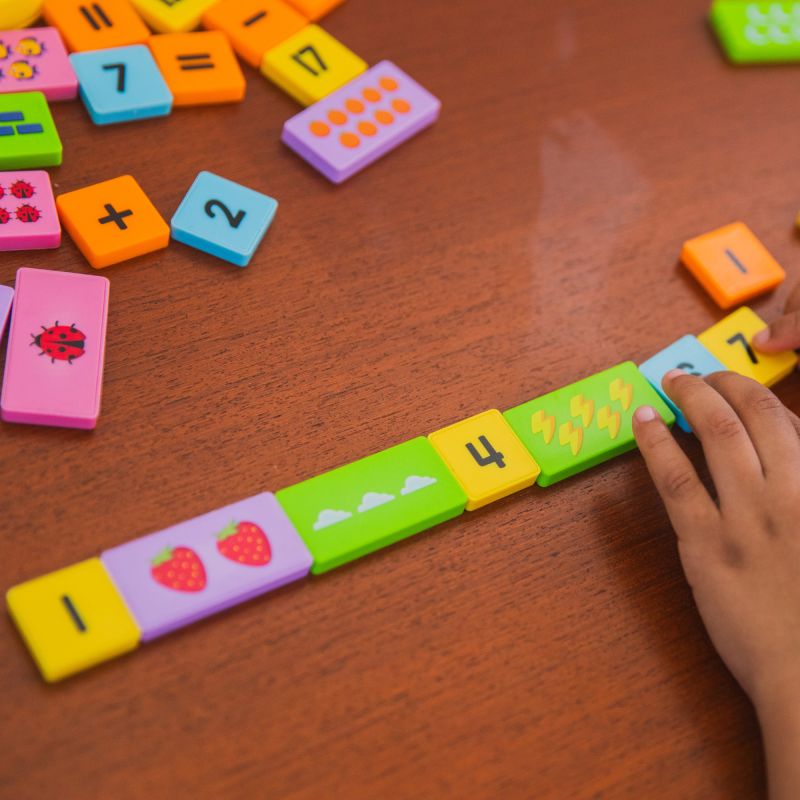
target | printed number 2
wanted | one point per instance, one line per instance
(234, 220)
(298, 57)
(739, 337)
(121, 72)
(491, 457)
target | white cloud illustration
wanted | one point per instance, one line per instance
(328, 517)
(374, 499)
(414, 483)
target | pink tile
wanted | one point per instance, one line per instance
(28, 216)
(35, 60)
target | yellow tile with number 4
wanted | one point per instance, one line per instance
(486, 456)
(175, 16)
(72, 619)
(311, 64)
(730, 341)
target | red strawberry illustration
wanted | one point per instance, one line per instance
(244, 543)
(179, 568)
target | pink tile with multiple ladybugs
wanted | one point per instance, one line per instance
(196, 568)
(35, 60)
(28, 216)
(56, 349)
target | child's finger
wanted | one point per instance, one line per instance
(731, 456)
(784, 333)
(687, 502)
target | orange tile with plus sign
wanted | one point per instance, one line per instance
(112, 221)
(96, 26)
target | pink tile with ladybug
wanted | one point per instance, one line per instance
(194, 569)
(28, 217)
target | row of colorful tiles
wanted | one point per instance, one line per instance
(82, 615)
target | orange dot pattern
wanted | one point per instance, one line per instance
(354, 107)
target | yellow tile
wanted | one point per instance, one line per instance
(177, 16)
(311, 64)
(72, 619)
(487, 458)
(729, 340)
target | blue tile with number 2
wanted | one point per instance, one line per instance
(223, 218)
(686, 354)
(121, 84)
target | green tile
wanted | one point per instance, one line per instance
(369, 504)
(585, 423)
(28, 135)
(752, 33)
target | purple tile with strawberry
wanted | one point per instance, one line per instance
(196, 568)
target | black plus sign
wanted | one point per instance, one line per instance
(115, 216)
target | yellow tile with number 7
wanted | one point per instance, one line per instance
(486, 457)
(730, 341)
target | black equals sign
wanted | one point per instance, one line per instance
(196, 61)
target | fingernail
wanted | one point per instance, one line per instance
(673, 373)
(645, 414)
(761, 338)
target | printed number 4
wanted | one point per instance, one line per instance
(739, 337)
(491, 457)
(234, 220)
(298, 57)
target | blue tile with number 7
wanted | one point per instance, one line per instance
(223, 218)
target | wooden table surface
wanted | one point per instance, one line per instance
(546, 646)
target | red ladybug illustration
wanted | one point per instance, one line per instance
(22, 190)
(28, 213)
(60, 342)
(4, 216)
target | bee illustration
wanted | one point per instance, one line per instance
(22, 71)
(29, 47)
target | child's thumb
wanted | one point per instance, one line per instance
(783, 334)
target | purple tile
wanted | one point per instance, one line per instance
(196, 568)
(6, 299)
(357, 124)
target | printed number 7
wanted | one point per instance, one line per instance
(121, 71)
(738, 337)
(298, 57)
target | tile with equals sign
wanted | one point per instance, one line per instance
(356, 125)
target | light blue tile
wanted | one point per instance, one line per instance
(687, 354)
(223, 218)
(121, 84)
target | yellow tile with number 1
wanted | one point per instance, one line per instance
(729, 340)
(72, 619)
(486, 456)
(311, 64)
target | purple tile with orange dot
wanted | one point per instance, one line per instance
(28, 216)
(357, 124)
(194, 569)
(35, 60)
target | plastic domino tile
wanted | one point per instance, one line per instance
(223, 218)
(72, 619)
(731, 264)
(585, 423)
(35, 59)
(28, 135)
(112, 221)
(311, 64)
(96, 25)
(6, 300)
(352, 128)
(486, 456)
(172, 16)
(315, 9)
(19, 13)
(750, 33)
(192, 570)
(28, 217)
(121, 84)
(729, 340)
(56, 349)
(372, 503)
(199, 68)
(686, 354)
(254, 26)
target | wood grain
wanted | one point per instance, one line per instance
(546, 646)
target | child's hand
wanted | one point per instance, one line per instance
(784, 334)
(741, 553)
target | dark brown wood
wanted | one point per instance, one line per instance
(546, 646)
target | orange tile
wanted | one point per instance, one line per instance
(199, 68)
(96, 25)
(112, 221)
(731, 264)
(254, 26)
(314, 9)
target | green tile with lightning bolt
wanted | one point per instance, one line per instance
(586, 423)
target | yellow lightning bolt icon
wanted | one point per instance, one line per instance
(544, 423)
(619, 390)
(606, 418)
(569, 434)
(579, 406)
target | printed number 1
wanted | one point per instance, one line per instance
(739, 337)
(298, 57)
(491, 457)
(121, 72)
